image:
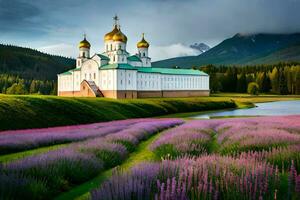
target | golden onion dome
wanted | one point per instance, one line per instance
(110, 35)
(143, 43)
(84, 44)
(119, 36)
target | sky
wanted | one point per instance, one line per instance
(170, 26)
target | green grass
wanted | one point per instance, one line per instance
(36, 111)
(141, 153)
(246, 98)
(33, 111)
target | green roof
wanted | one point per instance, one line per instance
(171, 71)
(154, 70)
(134, 58)
(103, 57)
(118, 66)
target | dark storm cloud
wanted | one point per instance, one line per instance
(165, 22)
(16, 15)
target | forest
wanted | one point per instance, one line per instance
(11, 84)
(282, 78)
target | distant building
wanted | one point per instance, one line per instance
(117, 74)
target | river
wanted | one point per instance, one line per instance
(261, 109)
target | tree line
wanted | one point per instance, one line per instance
(282, 78)
(12, 84)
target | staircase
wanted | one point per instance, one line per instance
(93, 88)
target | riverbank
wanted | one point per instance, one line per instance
(36, 111)
(262, 98)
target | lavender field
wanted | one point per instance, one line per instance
(93, 149)
(250, 158)
(234, 158)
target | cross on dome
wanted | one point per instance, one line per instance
(116, 19)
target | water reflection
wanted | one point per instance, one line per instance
(261, 109)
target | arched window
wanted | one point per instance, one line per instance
(83, 54)
(111, 47)
(144, 54)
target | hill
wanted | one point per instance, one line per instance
(30, 111)
(28, 63)
(244, 49)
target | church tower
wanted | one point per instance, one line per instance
(115, 44)
(84, 52)
(143, 47)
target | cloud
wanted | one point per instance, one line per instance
(17, 16)
(60, 49)
(171, 51)
(166, 23)
(156, 52)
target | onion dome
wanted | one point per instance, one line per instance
(143, 43)
(110, 35)
(119, 36)
(84, 43)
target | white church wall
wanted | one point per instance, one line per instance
(89, 71)
(77, 80)
(108, 79)
(119, 45)
(184, 82)
(84, 52)
(148, 81)
(65, 83)
(99, 61)
(127, 80)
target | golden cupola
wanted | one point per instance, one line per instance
(116, 34)
(120, 37)
(84, 43)
(143, 43)
(109, 36)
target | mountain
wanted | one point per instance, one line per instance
(29, 63)
(243, 49)
(201, 47)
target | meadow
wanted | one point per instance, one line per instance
(41, 111)
(38, 111)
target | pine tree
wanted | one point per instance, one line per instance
(265, 83)
(283, 89)
(242, 84)
(297, 86)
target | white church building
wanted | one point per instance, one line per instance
(117, 74)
